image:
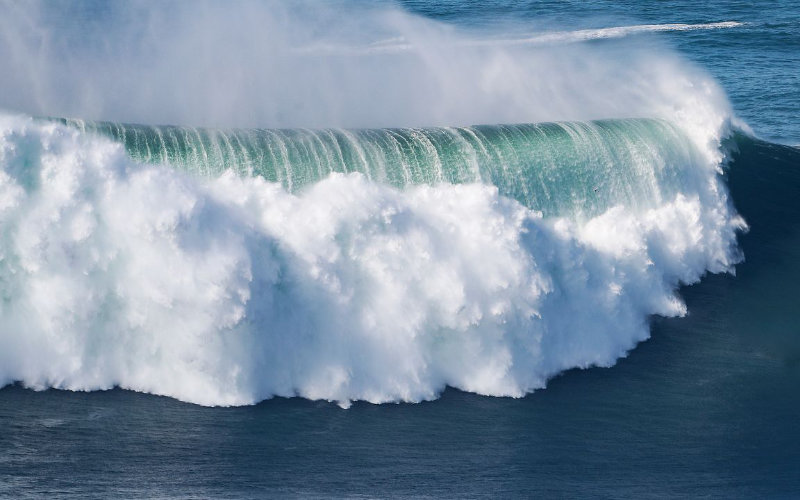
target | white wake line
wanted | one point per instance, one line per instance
(400, 44)
(614, 32)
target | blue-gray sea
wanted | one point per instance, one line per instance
(163, 335)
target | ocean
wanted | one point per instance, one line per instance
(428, 249)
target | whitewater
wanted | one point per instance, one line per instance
(385, 253)
(230, 289)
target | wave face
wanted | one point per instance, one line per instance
(487, 258)
(557, 168)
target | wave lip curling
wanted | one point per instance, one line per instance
(356, 262)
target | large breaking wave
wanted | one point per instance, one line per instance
(228, 265)
(228, 289)
(557, 168)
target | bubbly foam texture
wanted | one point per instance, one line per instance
(230, 290)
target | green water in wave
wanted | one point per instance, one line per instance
(558, 168)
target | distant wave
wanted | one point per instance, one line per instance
(612, 32)
(400, 44)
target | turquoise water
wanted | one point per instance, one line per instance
(183, 289)
(555, 168)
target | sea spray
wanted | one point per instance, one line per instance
(557, 168)
(268, 64)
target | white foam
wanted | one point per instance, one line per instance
(228, 291)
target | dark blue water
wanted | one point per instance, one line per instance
(708, 407)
